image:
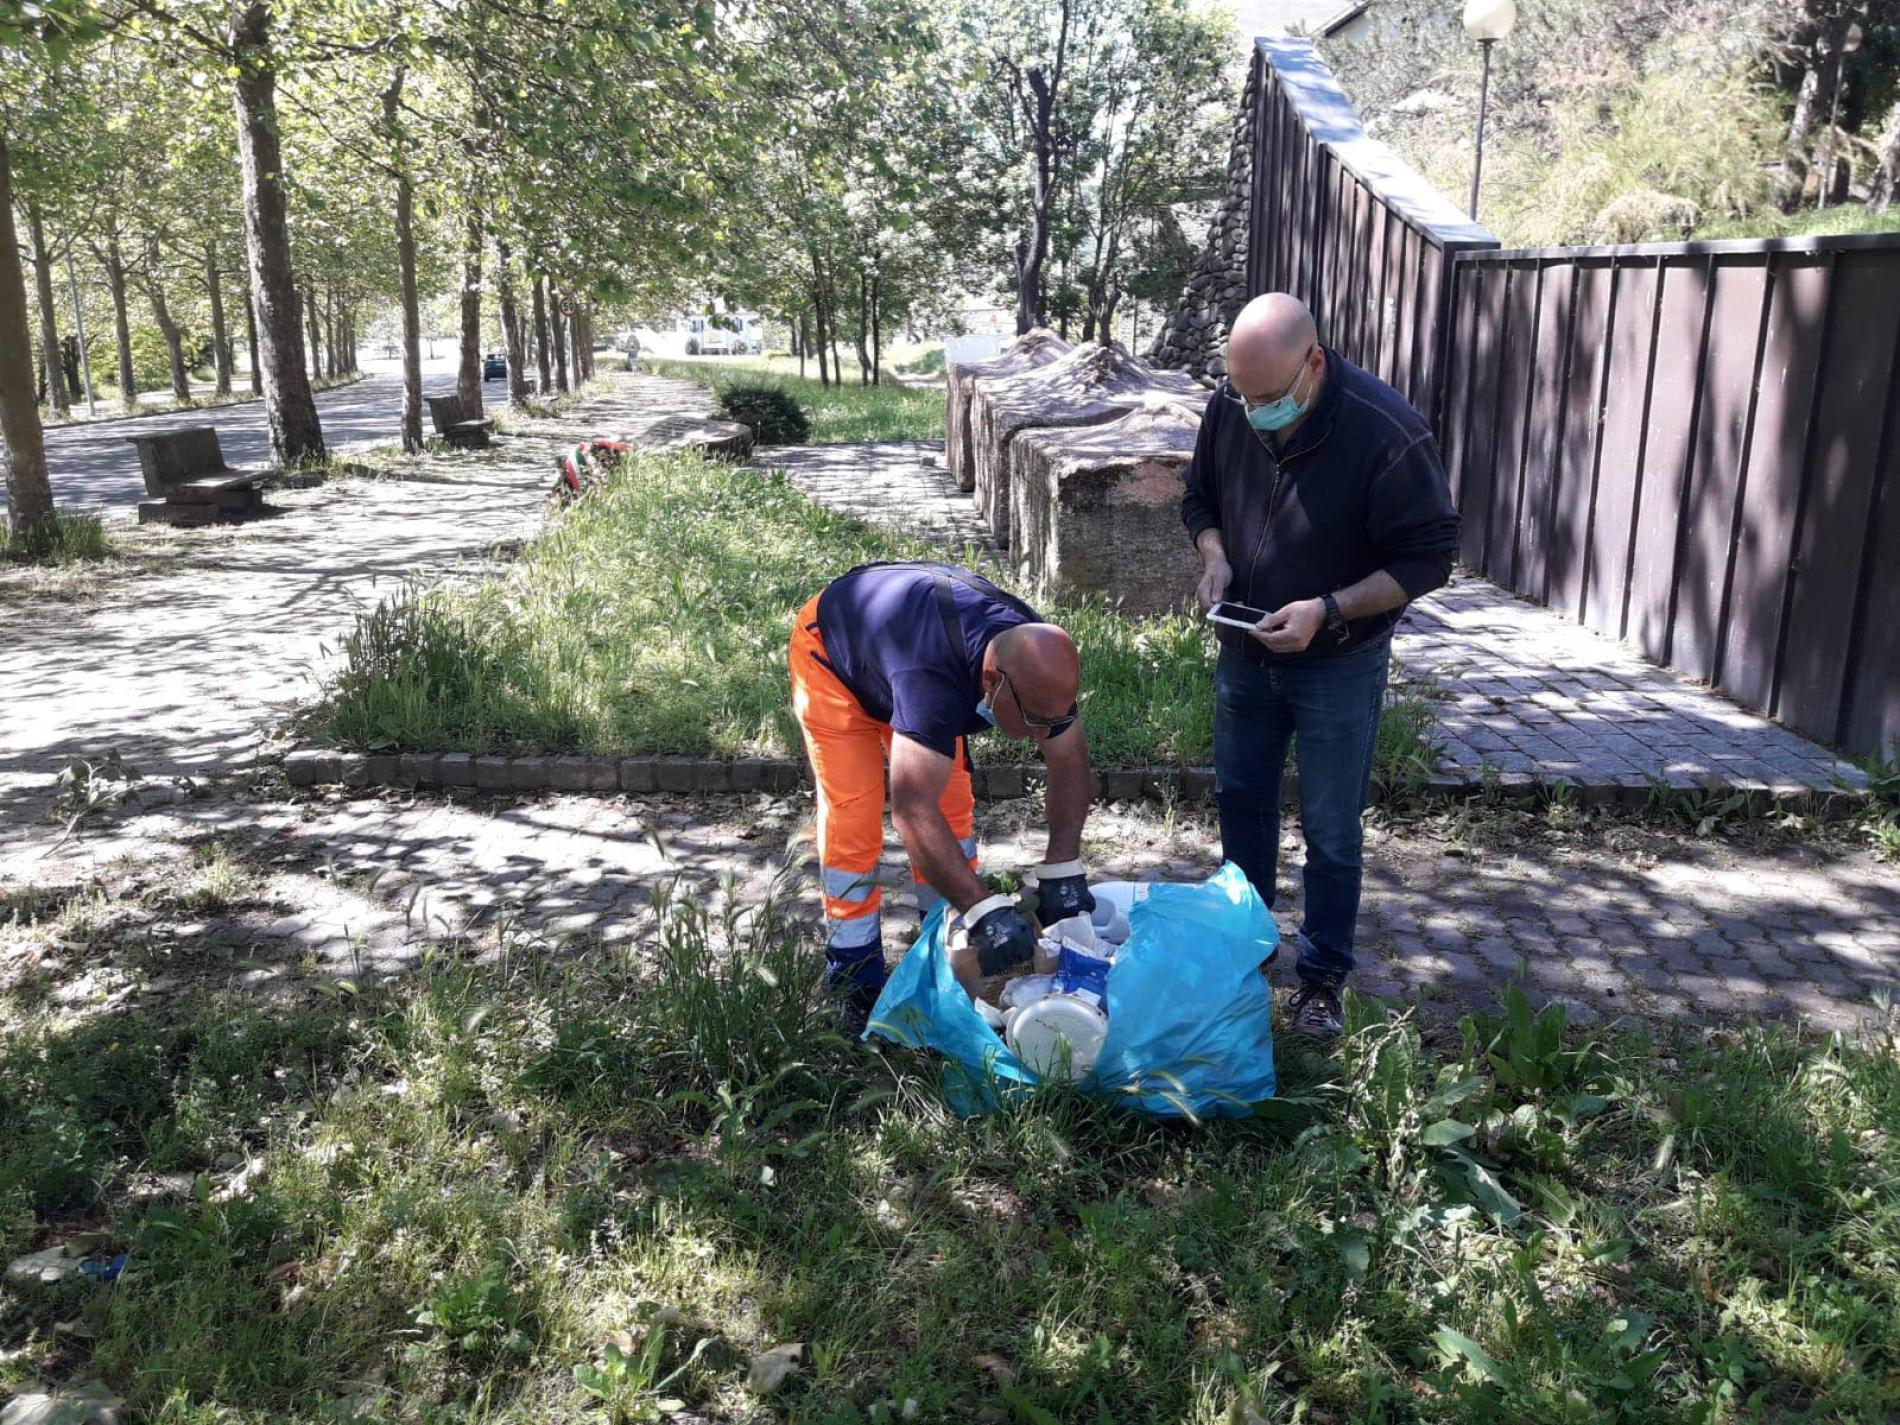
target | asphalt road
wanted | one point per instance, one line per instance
(93, 469)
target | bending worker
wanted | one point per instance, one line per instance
(905, 662)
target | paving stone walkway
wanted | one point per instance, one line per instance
(196, 670)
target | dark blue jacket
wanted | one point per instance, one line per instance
(1358, 488)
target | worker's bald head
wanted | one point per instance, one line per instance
(1044, 673)
(1272, 338)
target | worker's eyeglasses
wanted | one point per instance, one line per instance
(1054, 728)
(1247, 403)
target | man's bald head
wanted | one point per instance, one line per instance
(1272, 338)
(1044, 673)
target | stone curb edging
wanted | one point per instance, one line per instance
(310, 767)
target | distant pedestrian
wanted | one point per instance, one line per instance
(1315, 495)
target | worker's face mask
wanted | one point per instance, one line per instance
(986, 712)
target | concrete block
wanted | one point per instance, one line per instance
(527, 774)
(455, 769)
(1005, 782)
(381, 769)
(712, 775)
(1197, 783)
(312, 767)
(491, 773)
(638, 774)
(1121, 784)
(419, 767)
(676, 774)
(746, 775)
(569, 774)
(353, 770)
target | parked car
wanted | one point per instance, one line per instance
(494, 367)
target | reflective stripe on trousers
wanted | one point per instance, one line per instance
(849, 751)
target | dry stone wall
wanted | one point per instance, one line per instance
(1194, 337)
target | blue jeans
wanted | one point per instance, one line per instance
(1333, 704)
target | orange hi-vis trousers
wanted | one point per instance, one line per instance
(849, 750)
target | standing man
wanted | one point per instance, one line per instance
(904, 662)
(1315, 494)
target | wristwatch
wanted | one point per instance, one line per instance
(1336, 621)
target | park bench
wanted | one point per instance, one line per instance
(445, 414)
(189, 482)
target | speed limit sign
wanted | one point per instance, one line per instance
(568, 307)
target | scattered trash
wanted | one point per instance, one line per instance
(105, 1271)
(770, 1369)
(47, 1268)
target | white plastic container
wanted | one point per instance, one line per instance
(1057, 1037)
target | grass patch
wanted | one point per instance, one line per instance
(838, 413)
(652, 617)
(551, 1189)
(67, 539)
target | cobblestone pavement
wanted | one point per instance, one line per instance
(1628, 923)
(1534, 696)
(195, 670)
(901, 484)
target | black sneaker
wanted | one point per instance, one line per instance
(1314, 1012)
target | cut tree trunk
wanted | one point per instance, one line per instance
(114, 263)
(296, 433)
(250, 338)
(541, 340)
(1034, 348)
(468, 376)
(220, 337)
(29, 495)
(49, 323)
(1084, 387)
(153, 280)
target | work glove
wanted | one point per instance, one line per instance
(999, 934)
(1062, 890)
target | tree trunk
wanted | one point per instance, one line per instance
(250, 337)
(558, 331)
(153, 280)
(468, 377)
(220, 338)
(818, 330)
(121, 324)
(575, 362)
(800, 343)
(1885, 187)
(864, 329)
(71, 363)
(312, 336)
(518, 388)
(49, 322)
(877, 330)
(411, 313)
(541, 335)
(296, 433)
(29, 495)
(332, 348)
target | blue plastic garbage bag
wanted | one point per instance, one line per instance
(1188, 1009)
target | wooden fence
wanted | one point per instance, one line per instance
(1691, 446)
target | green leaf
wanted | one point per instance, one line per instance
(1446, 1132)
(1455, 1347)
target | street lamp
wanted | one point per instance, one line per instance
(1487, 22)
(1849, 43)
